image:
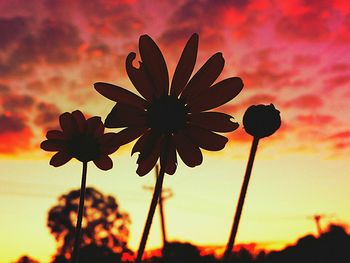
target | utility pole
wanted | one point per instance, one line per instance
(162, 198)
(317, 219)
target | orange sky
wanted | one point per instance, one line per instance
(294, 54)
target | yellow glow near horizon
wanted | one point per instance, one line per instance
(284, 192)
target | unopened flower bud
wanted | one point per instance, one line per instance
(261, 120)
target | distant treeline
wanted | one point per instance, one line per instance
(332, 246)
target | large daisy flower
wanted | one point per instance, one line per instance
(176, 118)
(80, 138)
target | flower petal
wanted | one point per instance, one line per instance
(147, 161)
(171, 158)
(119, 94)
(68, 125)
(189, 152)
(155, 66)
(104, 162)
(55, 135)
(60, 159)
(80, 120)
(125, 116)
(95, 126)
(53, 145)
(204, 77)
(109, 143)
(185, 66)
(217, 95)
(214, 121)
(139, 77)
(206, 139)
(144, 143)
(129, 134)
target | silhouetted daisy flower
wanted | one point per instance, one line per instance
(170, 119)
(85, 140)
(175, 118)
(82, 139)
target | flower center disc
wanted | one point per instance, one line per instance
(166, 114)
(84, 147)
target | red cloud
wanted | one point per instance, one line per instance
(315, 119)
(342, 6)
(265, 70)
(340, 140)
(47, 116)
(337, 81)
(11, 30)
(15, 135)
(19, 111)
(309, 26)
(340, 135)
(236, 17)
(342, 146)
(307, 101)
(100, 17)
(343, 34)
(50, 42)
(17, 103)
(335, 68)
(305, 20)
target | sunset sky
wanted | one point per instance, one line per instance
(294, 54)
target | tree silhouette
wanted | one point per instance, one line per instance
(103, 223)
(26, 259)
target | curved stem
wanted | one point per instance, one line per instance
(75, 253)
(240, 203)
(154, 202)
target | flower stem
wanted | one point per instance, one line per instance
(75, 253)
(161, 212)
(154, 202)
(240, 203)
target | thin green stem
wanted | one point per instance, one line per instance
(154, 202)
(75, 253)
(240, 203)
